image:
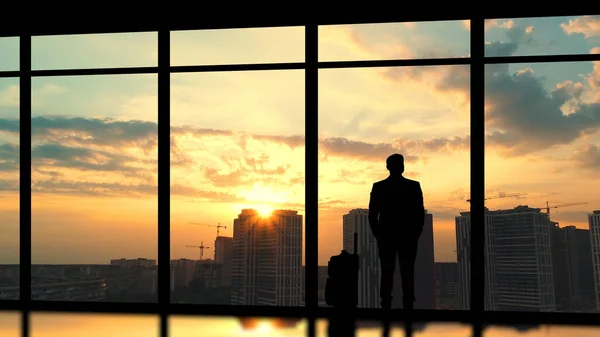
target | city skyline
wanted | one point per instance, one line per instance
(224, 157)
(208, 251)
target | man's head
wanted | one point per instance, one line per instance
(395, 164)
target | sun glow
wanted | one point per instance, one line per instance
(264, 327)
(259, 327)
(264, 210)
(260, 193)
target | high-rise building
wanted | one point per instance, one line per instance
(572, 268)
(223, 256)
(518, 262)
(446, 285)
(594, 222)
(370, 268)
(267, 258)
(223, 247)
(209, 273)
(357, 221)
(446, 279)
(463, 258)
(182, 273)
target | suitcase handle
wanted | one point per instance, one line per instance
(355, 242)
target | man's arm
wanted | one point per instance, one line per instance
(374, 209)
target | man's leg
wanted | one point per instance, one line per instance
(387, 257)
(406, 258)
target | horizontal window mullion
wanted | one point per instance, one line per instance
(13, 73)
(542, 58)
(238, 67)
(90, 72)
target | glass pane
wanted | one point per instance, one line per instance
(93, 325)
(540, 331)
(542, 36)
(402, 40)
(542, 144)
(10, 324)
(366, 115)
(94, 188)
(183, 326)
(94, 51)
(237, 46)
(9, 49)
(237, 187)
(9, 188)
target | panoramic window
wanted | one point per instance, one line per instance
(237, 46)
(367, 114)
(89, 51)
(256, 198)
(542, 36)
(9, 171)
(94, 194)
(237, 187)
(542, 158)
(394, 41)
(9, 49)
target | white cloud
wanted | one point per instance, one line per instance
(467, 24)
(589, 26)
(10, 96)
(497, 23)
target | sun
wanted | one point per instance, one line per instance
(264, 210)
(264, 327)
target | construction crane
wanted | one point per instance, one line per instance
(202, 246)
(202, 224)
(562, 205)
(502, 195)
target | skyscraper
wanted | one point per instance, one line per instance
(369, 274)
(369, 271)
(463, 259)
(518, 262)
(446, 285)
(594, 221)
(267, 258)
(572, 268)
(223, 256)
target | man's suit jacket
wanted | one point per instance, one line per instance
(396, 208)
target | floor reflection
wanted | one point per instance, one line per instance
(104, 325)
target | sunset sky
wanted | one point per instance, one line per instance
(238, 138)
(101, 325)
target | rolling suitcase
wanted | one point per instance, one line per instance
(341, 287)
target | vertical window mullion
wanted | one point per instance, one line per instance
(311, 173)
(477, 173)
(164, 195)
(25, 179)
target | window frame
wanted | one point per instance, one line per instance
(476, 316)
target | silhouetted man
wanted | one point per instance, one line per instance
(396, 218)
